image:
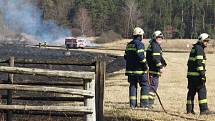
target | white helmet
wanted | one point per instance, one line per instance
(203, 36)
(138, 31)
(157, 34)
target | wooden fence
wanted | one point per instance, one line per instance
(91, 95)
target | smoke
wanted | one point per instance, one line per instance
(22, 16)
(90, 43)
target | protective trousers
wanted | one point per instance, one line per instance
(154, 80)
(142, 80)
(196, 85)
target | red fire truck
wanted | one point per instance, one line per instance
(72, 42)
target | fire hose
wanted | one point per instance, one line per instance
(161, 104)
(149, 83)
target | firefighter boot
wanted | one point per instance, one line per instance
(206, 112)
(204, 109)
(151, 99)
(144, 101)
(189, 108)
(144, 98)
(150, 103)
(133, 95)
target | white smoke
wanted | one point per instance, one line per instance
(22, 16)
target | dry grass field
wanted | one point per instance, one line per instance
(172, 88)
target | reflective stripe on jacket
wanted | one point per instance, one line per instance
(135, 58)
(154, 58)
(196, 61)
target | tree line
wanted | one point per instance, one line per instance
(176, 18)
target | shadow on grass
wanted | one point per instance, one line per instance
(126, 118)
(125, 106)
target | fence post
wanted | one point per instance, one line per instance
(100, 79)
(10, 92)
(90, 102)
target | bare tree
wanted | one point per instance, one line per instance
(84, 21)
(192, 15)
(132, 15)
(203, 18)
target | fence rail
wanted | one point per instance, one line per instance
(86, 93)
(84, 109)
(90, 62)
(46, 72)
(91, 95)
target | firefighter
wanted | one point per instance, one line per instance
(39, 44)
(155, 62)
(196, 76)
(136, 69)
(45, 44)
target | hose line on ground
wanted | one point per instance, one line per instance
(161, 104)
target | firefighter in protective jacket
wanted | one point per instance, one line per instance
(155, 62)
(196, 76)
(136, 69)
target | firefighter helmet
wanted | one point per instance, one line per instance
(203, 37)
(138, 31)
(157, 34)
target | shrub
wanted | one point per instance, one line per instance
(108, 36)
